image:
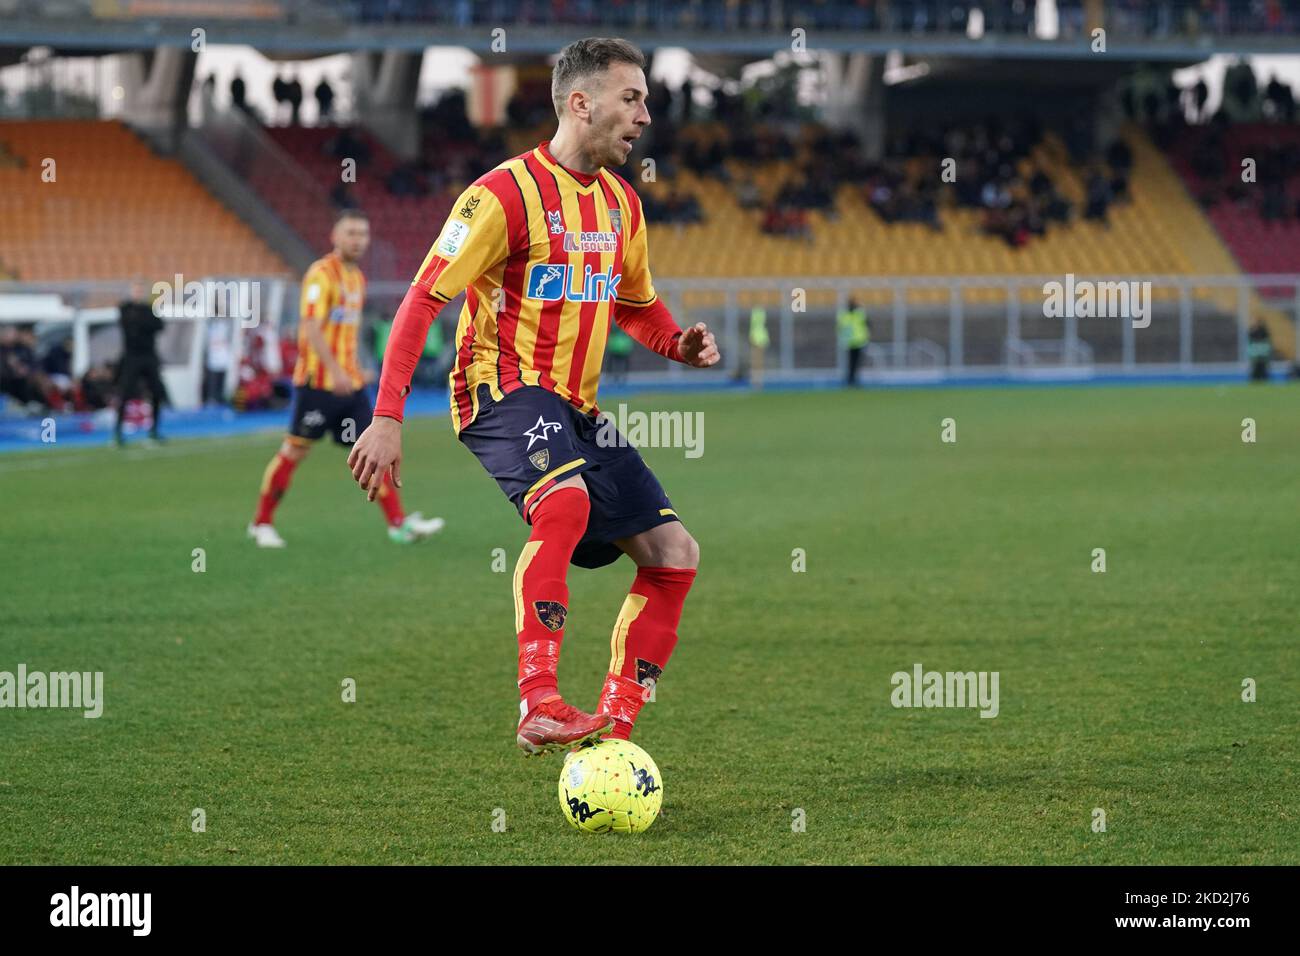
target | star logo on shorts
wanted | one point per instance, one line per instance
(540, 431)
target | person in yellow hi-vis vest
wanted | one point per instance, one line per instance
(758, 343)
(855, 335)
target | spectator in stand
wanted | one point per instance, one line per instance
(348, 145)
(293, 96)
(238, 93)
(407, 179)
(1098, 198)
(1281, 101)
(342, 197)
(324, 101)
(1241, 91)
(1120, 159)
(747, 194)
(1200, 96)
(280, 93)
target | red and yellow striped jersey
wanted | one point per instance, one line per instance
(543, 254)
(333, 293)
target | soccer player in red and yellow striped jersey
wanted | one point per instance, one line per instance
(329, 386)
(333, 293)
(550, 247)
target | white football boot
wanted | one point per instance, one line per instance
(265, 535)
(415, 527)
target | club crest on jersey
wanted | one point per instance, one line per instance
(590, 242)
(541, 431)
(541, 459)
(616, 221)
(551, 614)
(471, 204)
(556, 221)
(551, 283)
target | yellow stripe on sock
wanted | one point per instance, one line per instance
(525, 558)
(632, 608)
(270, 470)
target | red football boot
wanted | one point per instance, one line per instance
(554, 725)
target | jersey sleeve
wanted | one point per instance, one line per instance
(636, 288)
(474, 238)
(317, 294)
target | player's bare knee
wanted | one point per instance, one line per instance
(294, 451)
(689, 552)
(679, 549)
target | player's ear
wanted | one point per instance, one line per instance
(579, 105)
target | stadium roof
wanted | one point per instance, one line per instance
(332, 36)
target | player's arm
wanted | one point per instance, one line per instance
(643, 315)
(316, 301)
(467, 247)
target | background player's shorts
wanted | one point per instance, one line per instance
(317, 411)
(532, 439)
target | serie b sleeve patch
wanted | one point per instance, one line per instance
(453, 238)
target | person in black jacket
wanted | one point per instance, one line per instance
(140, 364)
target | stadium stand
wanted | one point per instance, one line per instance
(405, 214)
(1259, 219)
(120, 210)
(1161, 231)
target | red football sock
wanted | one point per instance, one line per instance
(541, 594)
(275, 482)
(644, 637)
(390, 501)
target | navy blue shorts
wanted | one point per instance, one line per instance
(317, 411)
(533, 438)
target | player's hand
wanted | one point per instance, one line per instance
(377, 450)
(342, 386)
(698, 347)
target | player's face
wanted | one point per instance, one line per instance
(351, 238)
(618, 114)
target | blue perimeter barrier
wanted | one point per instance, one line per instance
(88, 430)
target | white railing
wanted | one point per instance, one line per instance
(1196, 325)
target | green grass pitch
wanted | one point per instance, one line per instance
(1119, 690)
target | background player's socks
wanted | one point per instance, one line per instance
(389, 500)
(275, 482)
(643, 640)
(541, 593)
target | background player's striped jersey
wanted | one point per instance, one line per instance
(543, 254)
(333, 293)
